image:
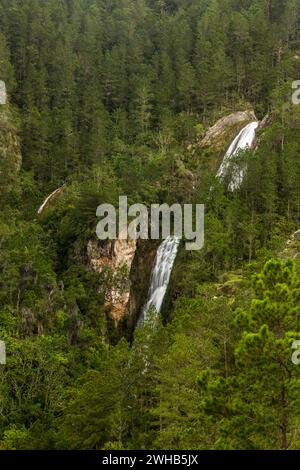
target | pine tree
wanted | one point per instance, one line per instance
(258, 406)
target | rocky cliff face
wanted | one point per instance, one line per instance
(217, 139)
(218, 136)
(130, 265)
(3, 95)
(140, 280)
(117, 257)
(127, 265)
(10, 153)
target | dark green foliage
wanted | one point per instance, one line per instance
(112, 98)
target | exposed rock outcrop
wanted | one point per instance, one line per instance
(130, 264)
(3, 95)
(10, 151)
(117, 256)
(218, 136)
(292, 249)
(140, 280)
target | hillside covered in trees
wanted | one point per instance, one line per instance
(115, 97)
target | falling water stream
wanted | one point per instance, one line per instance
(161, 274)
(47, 200)
(167, 252)
(243, 140)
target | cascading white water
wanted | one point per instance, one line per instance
(161, 274)
(243, 140)
(167, 252)
(48, 199)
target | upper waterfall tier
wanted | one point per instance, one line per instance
(245, 139)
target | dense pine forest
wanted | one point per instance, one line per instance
(115, 97)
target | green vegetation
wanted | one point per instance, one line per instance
(114, 97)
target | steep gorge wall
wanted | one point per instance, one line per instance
(130, 263)
(117, 256)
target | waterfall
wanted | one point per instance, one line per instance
(161, 274)
(167, 252)
(243, 140)
(47, 200)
